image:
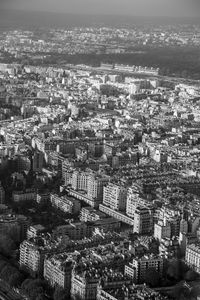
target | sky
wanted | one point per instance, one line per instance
(179, 8)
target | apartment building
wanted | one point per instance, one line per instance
(192, 256)
(66, 203)
(95, 186)
(27, 195)
(162, 230)
(32, 258)
(43, 197)
(34, 230)
(75, 231)
(115, 196)
(137, 269)
(133, 200)
(58, 271)
(139, 292)
(89, 214)
(143, 221)
(86, 186)
(85, 285)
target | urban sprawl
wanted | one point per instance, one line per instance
(100, 180)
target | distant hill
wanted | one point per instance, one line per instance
(10, 19)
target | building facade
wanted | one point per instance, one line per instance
(138, 268)
(192, 256)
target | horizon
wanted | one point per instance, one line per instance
(19, 11)
(125, 8)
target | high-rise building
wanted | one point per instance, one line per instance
(32, 258)
(175, 225)
(162, 229)
(133, 200)
(183, 226)
(95, 187)
(173, 218)
(143, 221)
(115, 196)
(86, 186)
(186, 239)
(78, 180)
(38, 161)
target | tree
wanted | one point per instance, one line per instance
(34, 287)
(16, 279)
(35, 292)
(60, 294)
(7, 245)
(26, 283)
(40, 297)
(152, 277)
(3, 263)
(109, 90)
(195, 291)
(190, 275)
(183, 291)
(77, 297)
(7, 271)
(176, 270)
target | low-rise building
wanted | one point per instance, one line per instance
(43, 197)
(127, 292)
(75, 231)
(27, 195)
(89, 214)
(34, 230)
(107, 224)
(66, 203)
(121, 216)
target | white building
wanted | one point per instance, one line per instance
(192, 256)
(137, 269)
(115, 196)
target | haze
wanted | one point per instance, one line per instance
(172, 8)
